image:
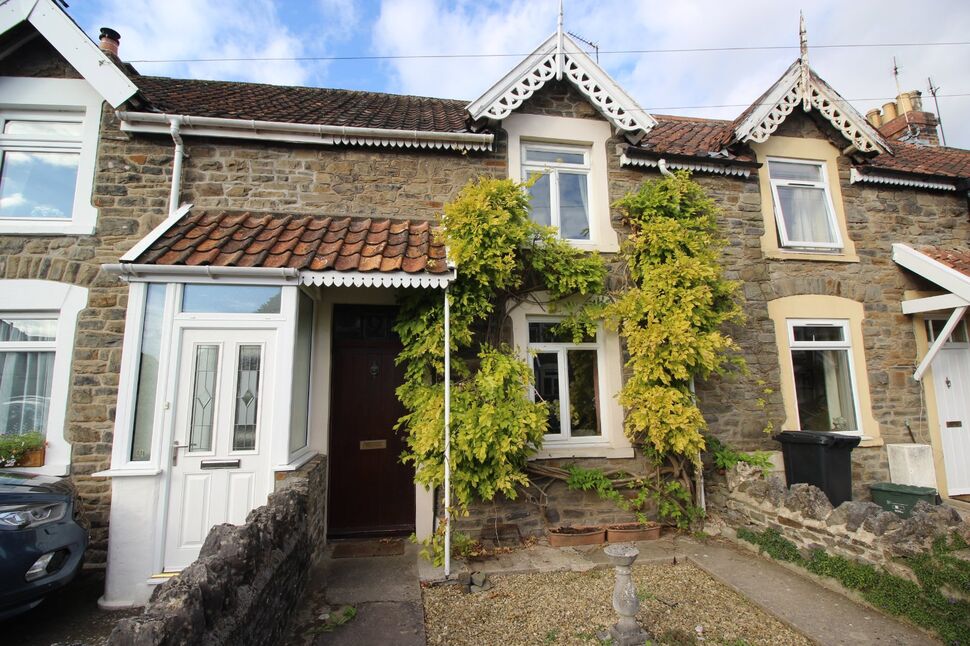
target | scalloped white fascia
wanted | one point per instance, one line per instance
(855, 176)
(536, 69)
(699, 167)
(376, 279)
(785, 95)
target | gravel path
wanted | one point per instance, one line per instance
(680, 604)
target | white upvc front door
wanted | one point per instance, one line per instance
(220, 453)
(951, 379)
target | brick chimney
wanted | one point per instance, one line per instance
(905, 120)
(109, 41)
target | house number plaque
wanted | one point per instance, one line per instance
(370, 445)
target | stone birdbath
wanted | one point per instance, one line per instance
(626, 631)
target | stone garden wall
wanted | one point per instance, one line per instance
(248, 578)
(857, 530)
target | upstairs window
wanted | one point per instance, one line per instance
(560, 194)
(567, 378)
(803, 205)
(824, 378)
(39, 157)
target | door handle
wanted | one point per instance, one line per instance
(175, 450)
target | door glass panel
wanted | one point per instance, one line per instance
(546, 366)
(247, 398)
(203, 397)
(583, 395)
(959, 334)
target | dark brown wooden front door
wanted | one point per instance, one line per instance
(371, 491)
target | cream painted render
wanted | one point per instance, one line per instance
(523, 128)
(67, 301)
(73, 95)
(812, 306)
(797, 148)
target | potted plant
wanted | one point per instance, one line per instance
(642, 530)
(26, 450)
(581, 535)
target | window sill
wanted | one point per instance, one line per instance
(46, 470)
(814, 256)
(45, 228)
(297, 460)
(128, 473)
(561, 450)
(602, 246)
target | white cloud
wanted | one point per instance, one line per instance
(190, 29)
(11, 201)
(671, 80)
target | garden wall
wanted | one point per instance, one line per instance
(857, 530)
(248, 578)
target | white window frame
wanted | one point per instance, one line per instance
(561, 350)
(50, 299)
(786, 241)
(552, 169)
(845, 345)
(55, 100)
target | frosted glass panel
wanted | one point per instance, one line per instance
(203, 397)
(301, 374)
(247, 398)
(151, 338)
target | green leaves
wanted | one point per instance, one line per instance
(670, 318)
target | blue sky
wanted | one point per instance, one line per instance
(661, 82)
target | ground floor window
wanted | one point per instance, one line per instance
(823, 373)
(567, 377)
(27, 348)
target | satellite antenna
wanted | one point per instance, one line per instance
(939, 119)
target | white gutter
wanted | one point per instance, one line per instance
(175, 125)
(132, 270)
(302, 132)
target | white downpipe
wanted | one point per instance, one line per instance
(175, 126)
(662, 165)
(447, 435)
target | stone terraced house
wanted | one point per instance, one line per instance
(198, 278)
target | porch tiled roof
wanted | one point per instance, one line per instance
(223, 238)
(958, 259)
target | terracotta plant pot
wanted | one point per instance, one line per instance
(33, 458)
(628, 532)
(570, 536)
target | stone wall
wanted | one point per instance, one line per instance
(248, 578)
(857, 530)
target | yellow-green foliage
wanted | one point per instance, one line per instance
(671, 314)
(500, 254)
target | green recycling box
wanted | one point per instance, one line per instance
(900, 498)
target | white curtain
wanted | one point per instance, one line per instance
(25, 387)
(838, 391)
(806, 214)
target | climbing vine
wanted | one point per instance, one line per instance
(503, 258)
(671, 312)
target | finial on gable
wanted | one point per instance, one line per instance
(560, 54)
(806, 72)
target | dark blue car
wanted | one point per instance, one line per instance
(42, 539)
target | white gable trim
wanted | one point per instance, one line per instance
(155, 234)
(855, 176)
(788, 92)
(71, 42)
(698, 167)
(539, 67)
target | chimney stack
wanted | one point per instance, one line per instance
(109, 41)
(905, 120)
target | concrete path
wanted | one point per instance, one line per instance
(825, 616)
(384, 592)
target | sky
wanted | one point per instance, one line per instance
(703, 84)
